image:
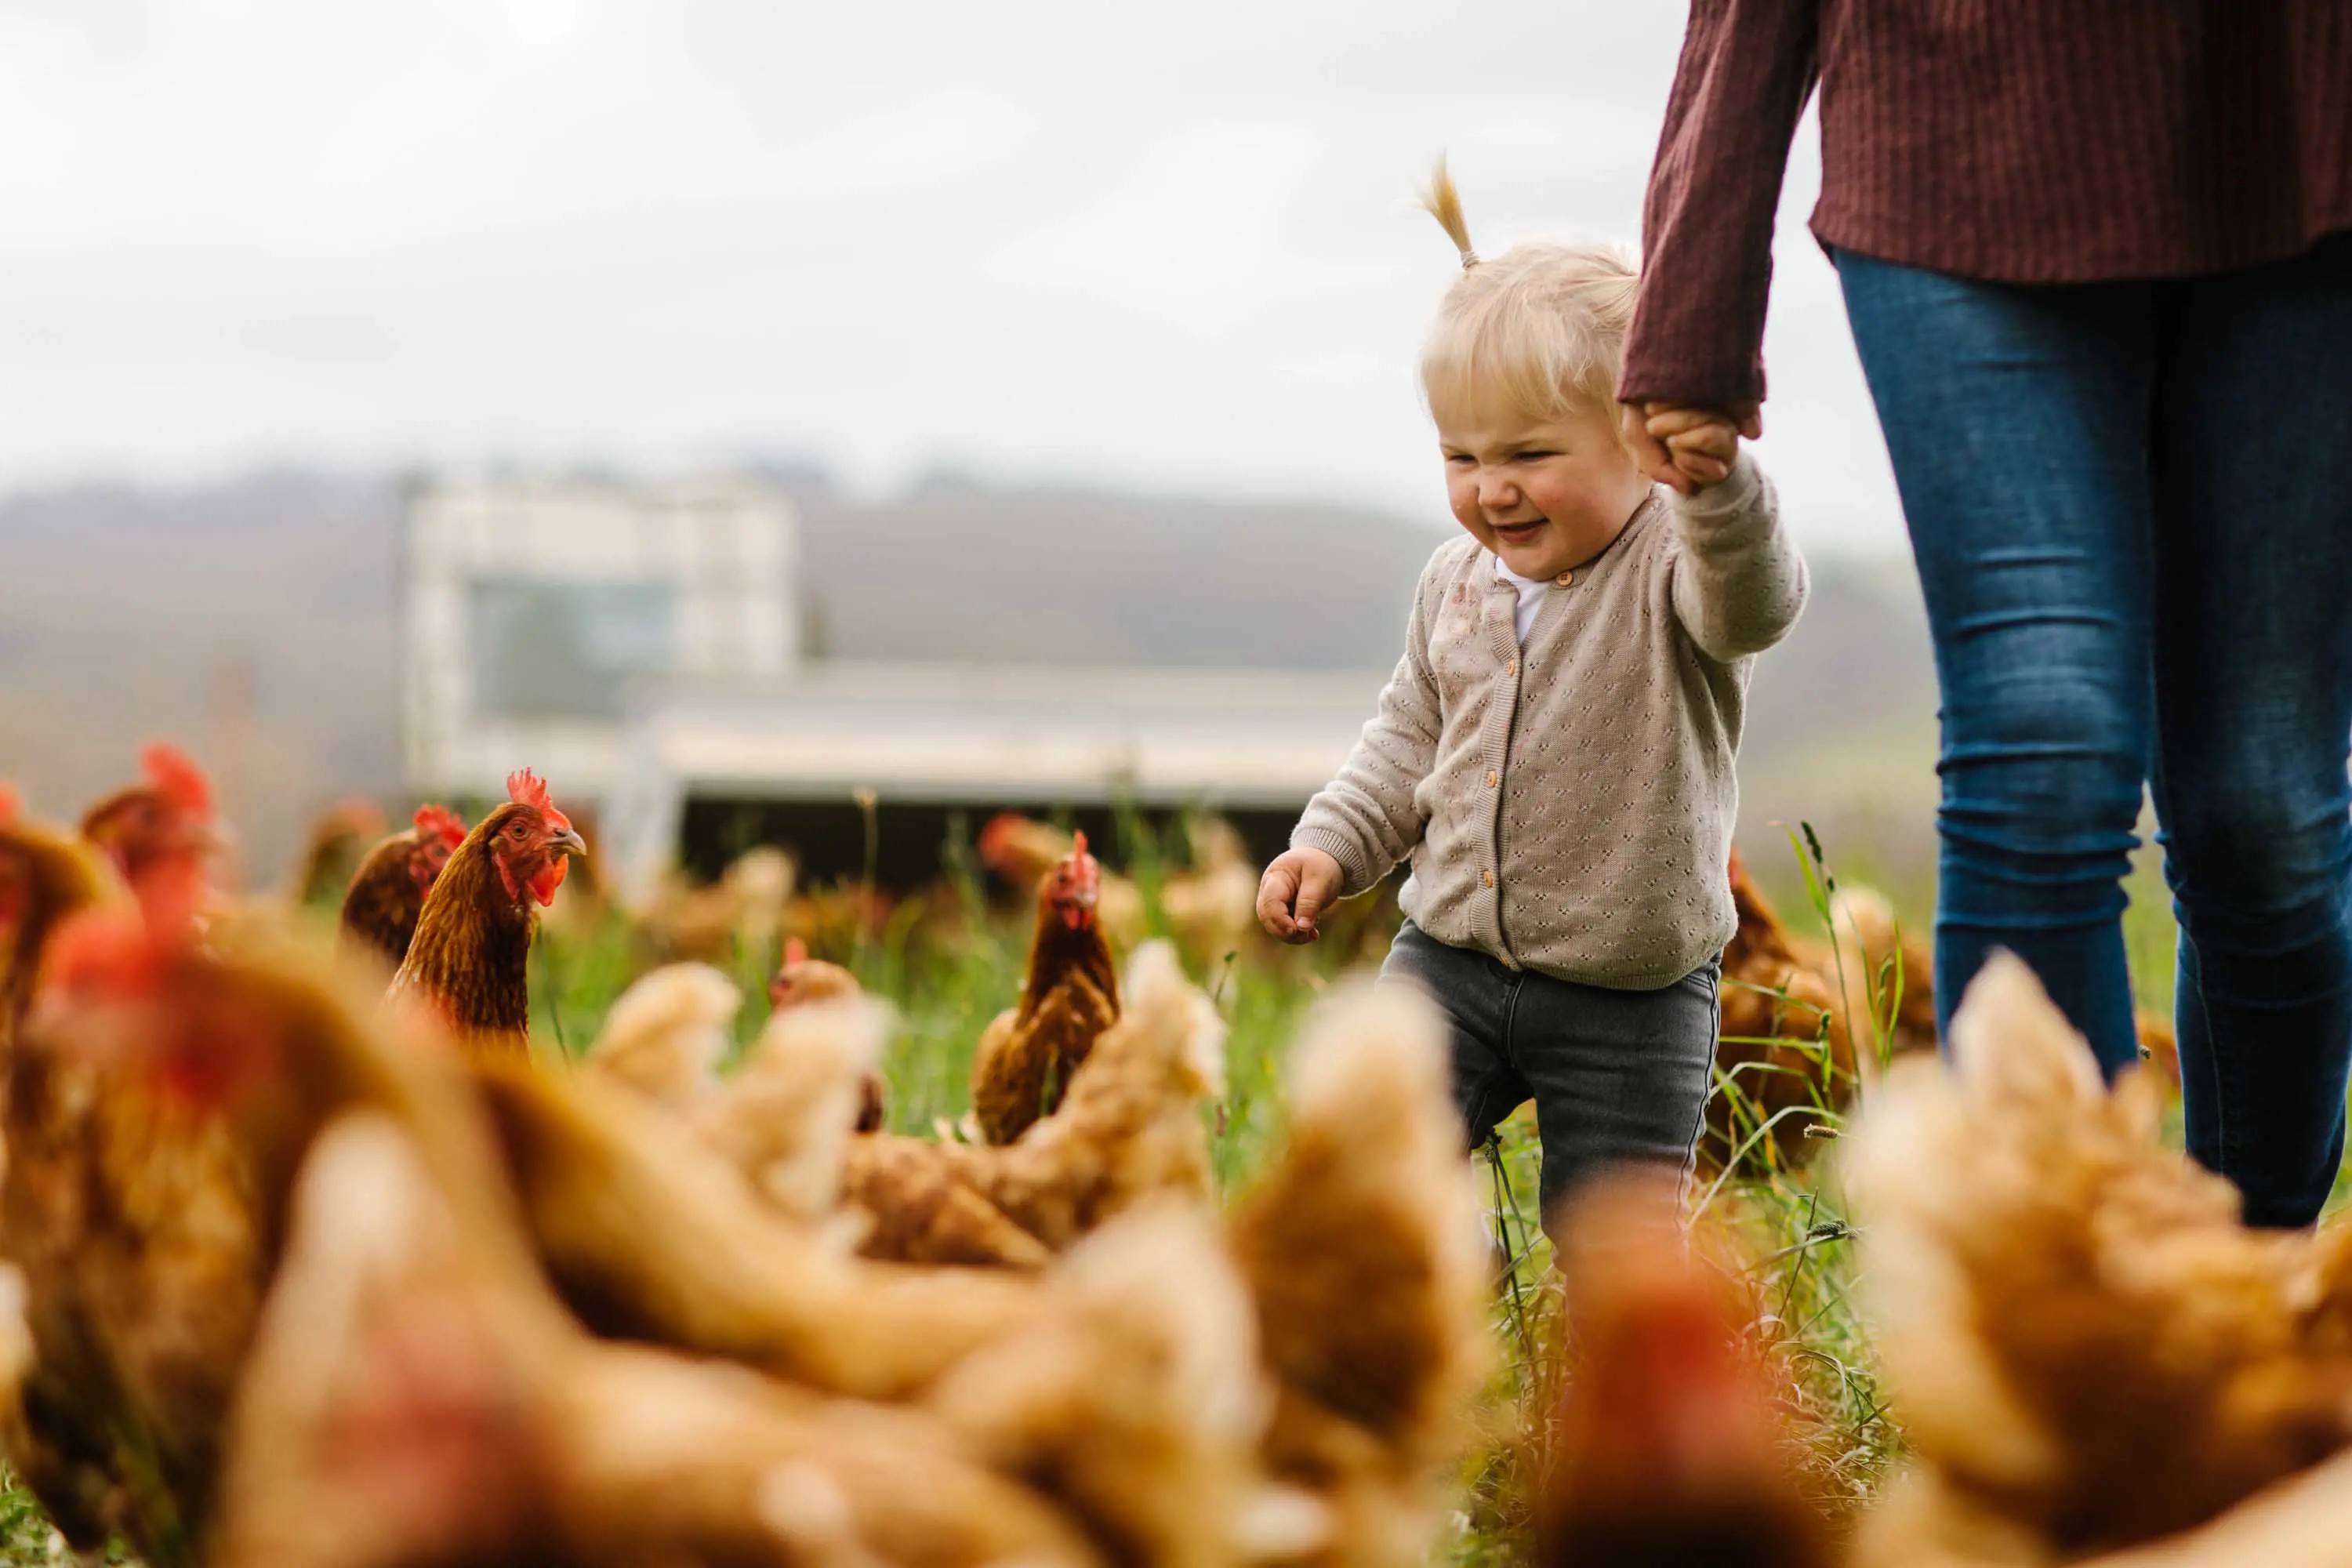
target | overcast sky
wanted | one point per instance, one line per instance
(1167, 245)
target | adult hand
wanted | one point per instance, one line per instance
(1297, 887)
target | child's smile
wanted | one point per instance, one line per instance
(1545, 495)
(1520, 534)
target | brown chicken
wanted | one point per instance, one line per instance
(416, 1401)
(1023, 852)
(649, 1235)
(784, 1118)
(801, 981)
(1668, 1450)
(1131, 1128)
(666, 1035)
(1784, 1051)
(1128, 1132)
(1363, 1248)
(45, 877)
(1025, 1060)
(914, 1200)
(160, 835)
(160, 1101)
(1884, 973)
(1211, 907)
(741, 912)
(2088, 1349)
(1139, 1402)
(333, 849)
(468, 964)
(388, 890)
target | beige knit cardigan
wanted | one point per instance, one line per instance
(1568, 805)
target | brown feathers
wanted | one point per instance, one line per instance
(1025, 1061)
(468, 962)
(2085, 1342)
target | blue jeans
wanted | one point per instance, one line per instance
(1617, 1077)
(2131, 507)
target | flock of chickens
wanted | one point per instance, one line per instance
(314, 1263)
(311, 1266)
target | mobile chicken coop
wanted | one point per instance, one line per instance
(650, 650)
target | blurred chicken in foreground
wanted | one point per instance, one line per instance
(1668, 1451)
(2088, 1348)
(801, 981)
(45, 877)
(1671, 1448)
(667, 1033)
(1362, 1245)
(416, 1402)
(1128, 1130)
(160, 1102)
(649, 1234)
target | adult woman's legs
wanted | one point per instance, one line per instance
(2017, 419)
(2253, 679)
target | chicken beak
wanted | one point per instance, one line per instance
(569, 841)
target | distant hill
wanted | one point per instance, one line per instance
(270, 602)
(955, 571)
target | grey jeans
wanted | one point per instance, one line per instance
(1617, 1077)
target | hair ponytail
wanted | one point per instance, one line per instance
(1443, 202)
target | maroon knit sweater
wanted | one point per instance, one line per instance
(2025, 140)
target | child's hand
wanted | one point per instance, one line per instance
(1685, 447)
(1295, 889)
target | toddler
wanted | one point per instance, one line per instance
(1555, 750)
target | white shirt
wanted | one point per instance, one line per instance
(1531, 597)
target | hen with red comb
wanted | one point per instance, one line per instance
(161, 835)
(469, 959)
(387, 892)
(1026, 1058)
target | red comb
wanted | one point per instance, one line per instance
(527, 788)
(440, 822)
(9, 804)
(795, 951)
(1078, 845)
(173, 772)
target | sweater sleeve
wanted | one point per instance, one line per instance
(1367, 818)
(1740, 584)
(1746, 69)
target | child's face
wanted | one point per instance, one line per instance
(1545, 496)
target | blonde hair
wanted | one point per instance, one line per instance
(1540, 326)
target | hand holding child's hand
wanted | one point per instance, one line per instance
(1297, 888)
(1685, 447)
